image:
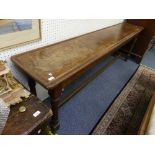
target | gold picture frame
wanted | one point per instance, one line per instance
(18, 31)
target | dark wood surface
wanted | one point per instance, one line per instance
(147, 116)
(145, 37)
(25, 123)
(68, 60)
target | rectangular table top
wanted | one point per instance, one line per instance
(66, 58)
(26, 122)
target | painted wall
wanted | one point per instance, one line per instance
(55, 31)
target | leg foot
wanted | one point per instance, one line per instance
(55, 100)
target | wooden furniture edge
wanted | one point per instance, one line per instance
(39, 48)
(78, 68)
(37, 124)
(147, 116)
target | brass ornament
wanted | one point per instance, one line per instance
(22, 109)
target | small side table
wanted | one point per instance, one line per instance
(33, 121)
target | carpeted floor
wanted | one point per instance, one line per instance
(149, 59)
(127, 111)
(83, 111)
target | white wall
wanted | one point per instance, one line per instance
(55, 31)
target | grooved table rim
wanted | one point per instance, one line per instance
(78, 68)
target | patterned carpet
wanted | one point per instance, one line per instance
(127, 111)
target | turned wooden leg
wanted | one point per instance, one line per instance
(32, 85)
(55, 100)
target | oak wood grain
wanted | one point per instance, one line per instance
(69, 57)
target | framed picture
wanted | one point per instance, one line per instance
(17, 31)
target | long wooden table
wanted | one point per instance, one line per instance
(56, 66)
